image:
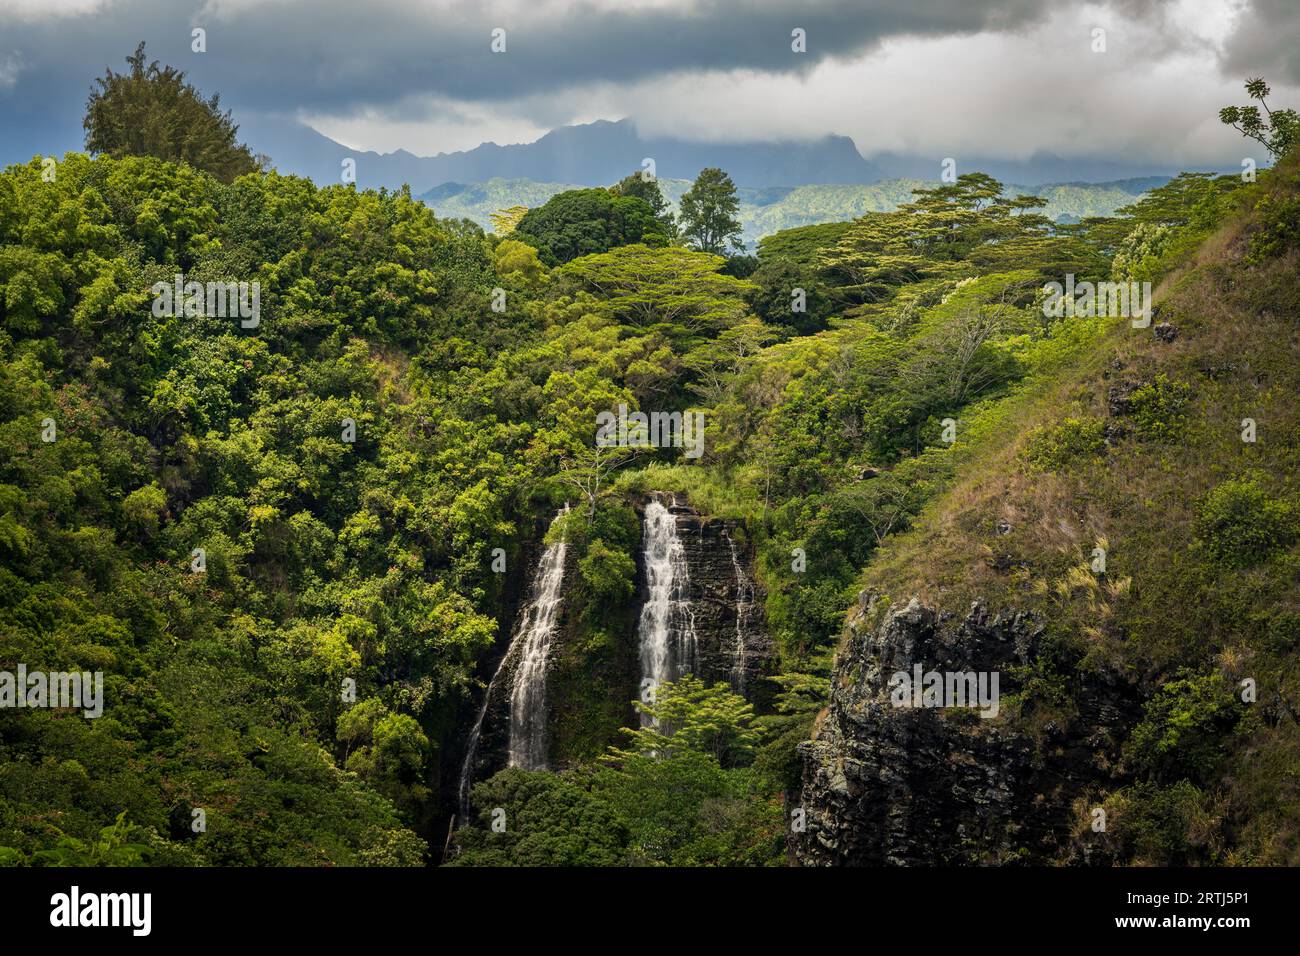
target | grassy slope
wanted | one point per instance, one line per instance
(1239, 352)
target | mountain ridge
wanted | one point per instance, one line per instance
(591, 154)
(604, 151)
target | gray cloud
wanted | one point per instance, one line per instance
(997, 76)
(1267, 43)
(341, 55)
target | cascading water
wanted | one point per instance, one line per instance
(666, 631)
(529, 652)
(471, 750)
(744, 606)
(528, 712)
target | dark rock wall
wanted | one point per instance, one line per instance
(718, 599)
(896, 785)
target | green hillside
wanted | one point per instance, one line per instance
(292, 542)
(1138, 505)
(765, 211)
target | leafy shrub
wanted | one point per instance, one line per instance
(1157, 408)
(1183, 731)
(1240, 524)
(115, 846)
(1166, 826)
(1053, 447)
(607, 574)
(1279, 221)
(1139, 251)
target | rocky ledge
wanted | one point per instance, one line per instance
(885, 784)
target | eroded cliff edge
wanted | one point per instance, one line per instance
(890, 785)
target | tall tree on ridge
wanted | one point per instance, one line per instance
(1277, 134)
(709, 213)
(152, 111)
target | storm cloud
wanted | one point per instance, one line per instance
(422, 73)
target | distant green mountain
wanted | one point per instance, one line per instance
(769, 210)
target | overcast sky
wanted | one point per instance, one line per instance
(992, 78)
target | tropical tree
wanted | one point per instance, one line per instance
(582, 222)
(646, 188)
(676, 287)
(1276, 130)
(689, 715)
(574, 400)
(152, 111)
(790, 296)
(709, 213)
(505, 221)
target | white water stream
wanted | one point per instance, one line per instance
(530, 648)
(666, 631)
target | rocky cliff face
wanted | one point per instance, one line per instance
(732, 642)
(887, 784)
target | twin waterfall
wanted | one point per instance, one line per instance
(710, 627)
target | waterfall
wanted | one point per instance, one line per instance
(471, 750)
(666, 631)
(528, 711)
(529, 650)
(744, 606)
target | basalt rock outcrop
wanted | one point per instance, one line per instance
(898, 785)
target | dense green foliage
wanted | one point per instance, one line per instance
(586, 221)
(681, 794)
(276, 540)
(325, 559)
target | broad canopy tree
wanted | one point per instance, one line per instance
(583, 222)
